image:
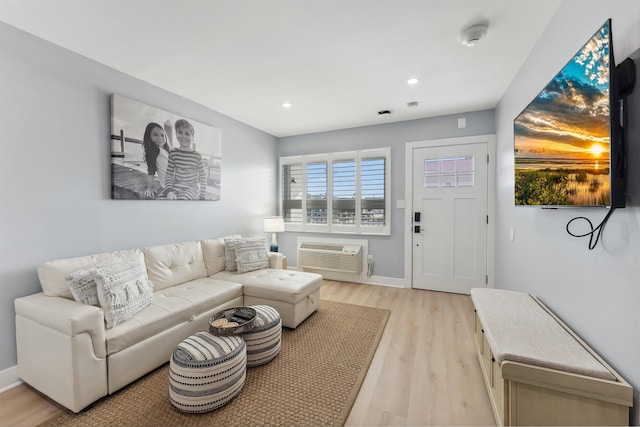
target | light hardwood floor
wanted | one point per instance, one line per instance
(425, 371)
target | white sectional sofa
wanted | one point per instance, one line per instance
(66, 352)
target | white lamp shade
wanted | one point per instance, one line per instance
(274, 224)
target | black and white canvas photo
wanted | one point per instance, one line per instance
(158, 155)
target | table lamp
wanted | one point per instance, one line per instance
(273, 225)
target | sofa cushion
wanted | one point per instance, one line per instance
(123, 290)
(52, 274)
(213, 251)
(170, 307)
(83, 285)
(173, 264)
(251, 255)
(230, 262)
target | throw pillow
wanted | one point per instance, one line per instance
(251, 255)
(82, 284)
(123, 291)
(230, 263)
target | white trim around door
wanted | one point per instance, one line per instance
(491, 191)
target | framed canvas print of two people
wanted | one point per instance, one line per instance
(158, 155)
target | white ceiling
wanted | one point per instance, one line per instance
(338, 62)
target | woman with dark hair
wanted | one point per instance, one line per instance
(156, 155)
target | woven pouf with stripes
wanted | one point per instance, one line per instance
(264, 339)
(207, 371)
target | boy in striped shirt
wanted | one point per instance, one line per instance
(186, 178)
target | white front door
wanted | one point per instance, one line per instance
(450, 217)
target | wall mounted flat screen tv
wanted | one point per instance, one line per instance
(566, 138)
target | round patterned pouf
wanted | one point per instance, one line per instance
(207, 371)
(264, 339)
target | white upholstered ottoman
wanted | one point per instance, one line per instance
(295, 294)
(206, 372)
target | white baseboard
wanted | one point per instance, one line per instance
(9, 379)
(387, 281)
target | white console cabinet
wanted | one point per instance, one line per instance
(539, 372)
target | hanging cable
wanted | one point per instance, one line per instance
(592, 233)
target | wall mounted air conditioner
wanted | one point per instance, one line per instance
(330, 257)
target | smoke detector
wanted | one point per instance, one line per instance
(471, 36)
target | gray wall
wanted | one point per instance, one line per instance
(387, 251)
(596, 292)
(55, 171)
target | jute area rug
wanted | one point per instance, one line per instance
(314, 380)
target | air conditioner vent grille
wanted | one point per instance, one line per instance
(330, 257)
(323, 246)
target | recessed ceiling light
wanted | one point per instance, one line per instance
(286, 105)
(412, 81)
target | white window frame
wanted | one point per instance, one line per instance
(329, 227)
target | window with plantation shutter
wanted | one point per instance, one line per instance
(344, 192)
(292, 191)
(317, 193)
(372, 194)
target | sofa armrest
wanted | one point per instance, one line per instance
(66, 316)
(275, 260)
(61, 349)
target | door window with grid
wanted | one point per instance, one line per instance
(449, 172)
